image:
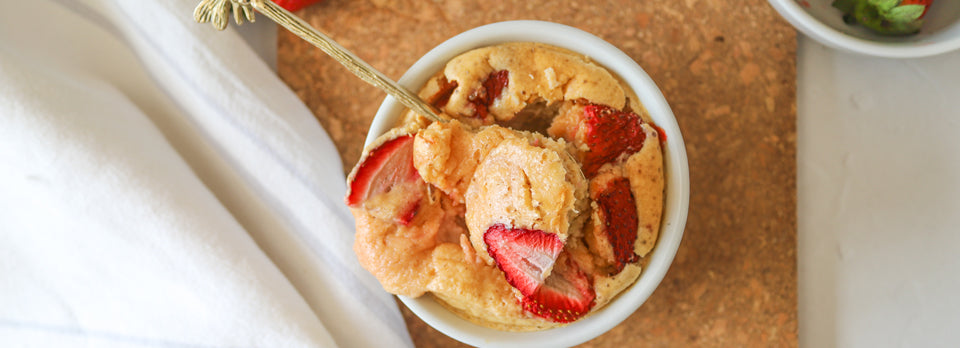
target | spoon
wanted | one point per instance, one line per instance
(217, 12)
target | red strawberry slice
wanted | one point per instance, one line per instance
(618, 221)
(608, 133)
(566, 295)
(387, 174)
(525, 256)
(295, 5)
(492, 88)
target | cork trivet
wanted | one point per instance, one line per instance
(728, 70)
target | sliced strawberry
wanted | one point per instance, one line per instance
(609, 133)
(566, 295)
(618, 221)
(387, 176)
(492, 88)
(495, 83)
(525, 256)
(295, 5)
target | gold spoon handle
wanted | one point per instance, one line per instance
(216, 10)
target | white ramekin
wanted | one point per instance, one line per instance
(676, 172)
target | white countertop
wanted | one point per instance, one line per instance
(878, 199)
(878, 196)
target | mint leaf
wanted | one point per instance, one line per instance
(884, 5)
(845, 6)
(905, 13)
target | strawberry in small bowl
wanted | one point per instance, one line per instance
(543, 236)
(883, 28)
(887, 17)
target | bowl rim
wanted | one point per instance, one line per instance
(676, 171)
(813, 27)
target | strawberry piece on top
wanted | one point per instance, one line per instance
(567, 294)
(609, 133)
(525, 256)
(616, 231)
(491, 89)
(386, 175)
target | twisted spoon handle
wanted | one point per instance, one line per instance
(217, 12)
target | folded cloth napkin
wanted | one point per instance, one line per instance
(160, 186)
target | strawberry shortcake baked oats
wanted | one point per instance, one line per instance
(533, 207)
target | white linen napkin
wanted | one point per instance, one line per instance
(160, 186)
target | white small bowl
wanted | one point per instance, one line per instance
(677, 179)
(824, 23)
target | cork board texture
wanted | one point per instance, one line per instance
(728, 70)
